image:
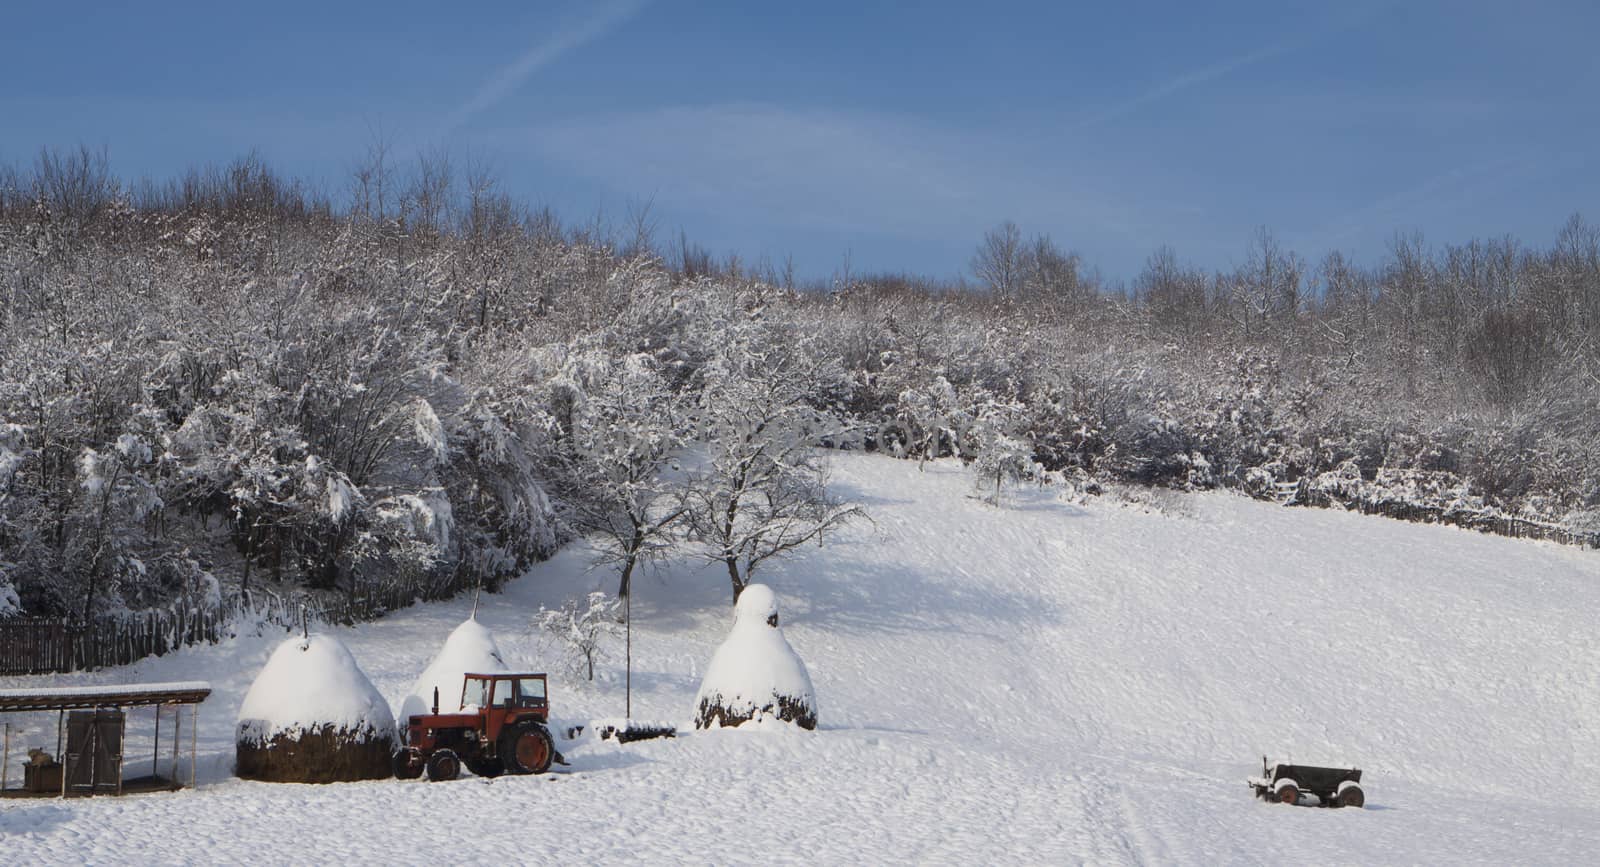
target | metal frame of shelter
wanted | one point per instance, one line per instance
(109, 697)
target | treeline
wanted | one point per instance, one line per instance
(226, 384)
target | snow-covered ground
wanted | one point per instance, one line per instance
(1041, 683)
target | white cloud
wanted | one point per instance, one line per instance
(826, 169)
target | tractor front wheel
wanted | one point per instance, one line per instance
(527, 749)
(408, 763)
(443, 765)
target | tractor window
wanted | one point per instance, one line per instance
(476, 693)
(531, 691)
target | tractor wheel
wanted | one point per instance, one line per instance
(443, 765)
(481, 767)
(527, 749)
(1350, 795)
(1288, 791)
(408, 763)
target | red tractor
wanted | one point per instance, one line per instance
(499, 727)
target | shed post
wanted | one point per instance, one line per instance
(61, 718)
(194, 746)
(122, 748)
(177, 741)
(155, 752)
(5, 763)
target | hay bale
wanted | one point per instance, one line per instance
(312, 716)
(471, 648)
(755, 674)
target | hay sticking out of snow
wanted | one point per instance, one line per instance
(313, 716)
(755, 674)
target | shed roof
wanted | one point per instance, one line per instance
(103, 695)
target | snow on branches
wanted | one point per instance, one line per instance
(581, 629)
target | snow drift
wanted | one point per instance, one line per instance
(312, 716)
(755, 674)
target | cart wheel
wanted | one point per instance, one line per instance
(1288, 791)
(1350, 795)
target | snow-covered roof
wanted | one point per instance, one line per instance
(103, 695)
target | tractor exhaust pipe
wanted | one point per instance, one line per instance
(436, 701)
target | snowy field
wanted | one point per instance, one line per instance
(1045, 683)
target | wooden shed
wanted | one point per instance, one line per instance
(91, 728)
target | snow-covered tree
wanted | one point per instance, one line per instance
(581, 628)
(762, 489)
(614, 465)
(1001, 453)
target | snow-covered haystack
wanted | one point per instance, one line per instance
(755, 674)
(470, 648)
(312, 716)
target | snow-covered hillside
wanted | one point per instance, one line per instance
(1042, 683)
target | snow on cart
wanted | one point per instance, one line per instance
(1308, 785)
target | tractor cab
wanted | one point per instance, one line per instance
(505, 692)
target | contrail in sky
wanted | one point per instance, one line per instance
(1351, 18)
(1184, 82)
(553, 47)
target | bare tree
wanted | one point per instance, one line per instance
(372, 180)
(1000, 262)
(1174, 296)
(641, 229)
(1267, 287)
(428, 201)
(76, 185)
(1051, 275)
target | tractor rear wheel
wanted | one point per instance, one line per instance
(481, 767)
(527, 749)
(408, 763)
(443, 765)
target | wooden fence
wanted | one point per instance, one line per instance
(46, 645)
(1499, 525)
(38, 645)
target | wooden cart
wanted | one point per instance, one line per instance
(1308, 785)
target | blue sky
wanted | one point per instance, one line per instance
(896, 132)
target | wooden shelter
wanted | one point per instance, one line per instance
(91, 725)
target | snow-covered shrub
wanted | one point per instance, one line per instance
(312, 716)
(999, 453)
(755, 674)
(10, 603)
(1259, 481)
(581, 628)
